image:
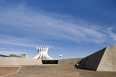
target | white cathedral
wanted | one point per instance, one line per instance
(42, 53)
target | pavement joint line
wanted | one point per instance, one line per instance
(12, 73)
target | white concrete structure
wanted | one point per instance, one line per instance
(42, 53)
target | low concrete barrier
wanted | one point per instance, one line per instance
(12, 61)
(69, 61)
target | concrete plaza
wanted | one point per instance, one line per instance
(55, 70)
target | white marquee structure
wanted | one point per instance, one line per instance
(42, 53)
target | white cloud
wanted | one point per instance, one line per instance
(50, 26)
(111, 33)
(11, 52)
(15, 41)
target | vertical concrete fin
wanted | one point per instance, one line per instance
(108, 62)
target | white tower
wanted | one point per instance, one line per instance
(60, 56)
(42, 53)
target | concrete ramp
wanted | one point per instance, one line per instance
(73, 61)
(103, 60)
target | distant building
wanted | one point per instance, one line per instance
(23, 56)
(14, 55)
(18, 56)
(3, 55)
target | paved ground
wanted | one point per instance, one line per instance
(7, 70)
(58, 71)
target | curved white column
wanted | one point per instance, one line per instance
(42, 53)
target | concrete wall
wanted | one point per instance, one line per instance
(19, 61)
(69, 61)
(12, 61)
(108, 62)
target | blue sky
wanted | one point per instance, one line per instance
(73, 28)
